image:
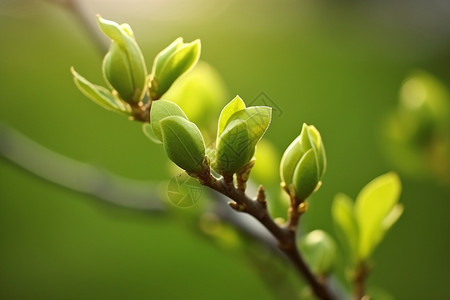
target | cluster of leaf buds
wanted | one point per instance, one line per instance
(125, 71)
(239, 130)
(303, 163)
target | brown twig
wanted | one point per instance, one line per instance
(285, 235)
(359, 281)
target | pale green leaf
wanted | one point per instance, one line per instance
(162, 56)
(161, 109)
(345, 224)
(257, 118)
(179, 62)
(373, 205)
(100, 95)
(233, 106)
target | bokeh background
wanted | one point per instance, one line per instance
(338, 66)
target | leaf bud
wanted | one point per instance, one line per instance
(124, 66)
(183, 143)
(303, 163)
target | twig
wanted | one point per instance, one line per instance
(89, 26)
(285, 236)
(77, 176)
(359, 281)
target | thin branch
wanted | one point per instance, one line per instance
(77, 176)
(87, 23)
(285, 236)
(359, 281)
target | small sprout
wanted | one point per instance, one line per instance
(183, 143)
(319, 250)
(171, 63)
(124, 66)
(303, 163)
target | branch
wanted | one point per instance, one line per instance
(85, 22)
(359, 281)
(77, 176)
(285, 236)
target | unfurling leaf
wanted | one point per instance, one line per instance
(124, 66)
(100, 95)
(233, 106)
(239, 130)
(303, 163)
(234, 148)
(171, 63)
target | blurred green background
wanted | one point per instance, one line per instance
(337, 66)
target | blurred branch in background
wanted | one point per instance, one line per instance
(88, 24)
(77, 176)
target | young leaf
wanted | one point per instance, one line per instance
(165, 54)
(234, 148)
(100, 95)
(124, 66)
(173, 62)
(183, 143)
(373, 205)
(345, 224)
(160, 110)
(233, 106)
(257, 118)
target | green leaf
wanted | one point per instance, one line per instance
(257, 118)
(232, 107)
(100, 95)
(372, 208)
(345, 225)
(161, 109)
(183, 143)
(170, 65)
(148, 131)
(165, 54)
(234, 148)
